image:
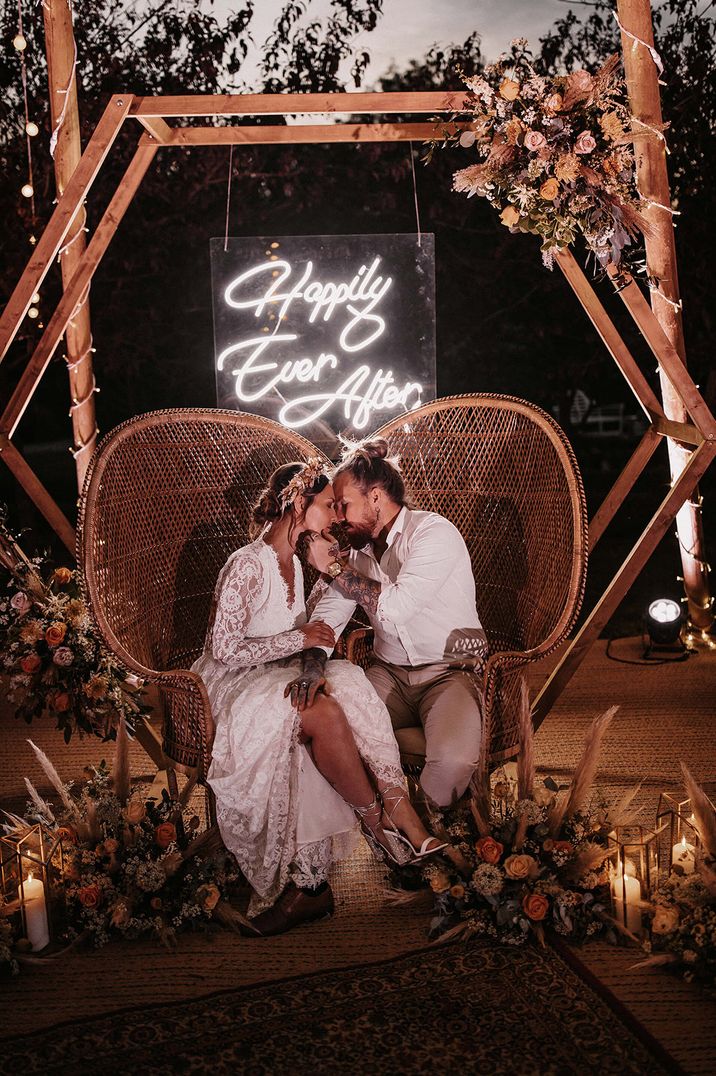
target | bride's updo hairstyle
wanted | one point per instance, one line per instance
(368, 464)
(278, 496)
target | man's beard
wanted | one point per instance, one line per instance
(360, 534)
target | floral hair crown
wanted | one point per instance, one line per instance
(304, 480)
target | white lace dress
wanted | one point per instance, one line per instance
(277, 814)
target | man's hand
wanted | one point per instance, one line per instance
(317, 633)
(304, 689)
(321, 552)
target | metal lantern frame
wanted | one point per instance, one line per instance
(36, 851)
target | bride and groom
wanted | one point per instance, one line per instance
(305, 744)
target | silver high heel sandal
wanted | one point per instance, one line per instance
(392, 851)
(415, 854)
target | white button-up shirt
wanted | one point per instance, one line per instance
(426, 610)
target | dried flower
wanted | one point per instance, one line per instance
(509, 89)
(61, 576)
(32, 632)
(30, 664)
(63, 656)
(554, 102)
(135, 812)
(567, 168)
(666, 918)
(440, 882)
(96, 688)
(120, 914)
(585, 143)
(21, 602)
(535, 906)
(489, 850)
(519, 867)
(164, 834)
(55, 633)
(534, 140)
(510, 216)
(60, 702)
(549, 189)
(90, 896)
(208, 896)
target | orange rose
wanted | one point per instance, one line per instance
(457, 891)
(164, 834)
(555, 102)
(563, 846)
(111, 845)
(509, 89)
(489, 850)
(535, 906)
(55, 633)
(135, 811)
(548, 845)
(96, 688)
(60, 701)
(30, 664)
(519, 867)
(61, 576)
(208, 896)
(90, 896)
(549, 189)
(439, 882)
(509, 216)
(68, 834)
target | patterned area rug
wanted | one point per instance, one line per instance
(476, 1008)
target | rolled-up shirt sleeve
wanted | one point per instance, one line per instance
(434, 549)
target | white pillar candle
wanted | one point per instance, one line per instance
(684, 855)
(626, 890)
(36, 926)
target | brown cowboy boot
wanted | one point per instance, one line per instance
(293, 907)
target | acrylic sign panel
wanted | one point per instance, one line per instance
(325, 334)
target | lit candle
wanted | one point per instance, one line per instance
(36, 927)
(684, 855)
(627, 891)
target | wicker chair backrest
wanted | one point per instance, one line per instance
(504, 473)
(167, 499)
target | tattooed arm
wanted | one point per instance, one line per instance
(305, 687)
(359, 588)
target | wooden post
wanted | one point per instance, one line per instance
(61, 57)
(643, 84)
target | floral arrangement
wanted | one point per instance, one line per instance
(555, 154)
(526, 857)
(683, 927)
(131, 866)
(304, 480)
(54, 659)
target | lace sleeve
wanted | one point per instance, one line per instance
(238, 595)
(319, 589)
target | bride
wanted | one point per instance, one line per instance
(288, 784)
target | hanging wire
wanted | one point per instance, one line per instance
(415, 194)
(228, 197)
(23, 78)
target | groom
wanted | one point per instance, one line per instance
(411, 573)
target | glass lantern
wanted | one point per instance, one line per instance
(31, 873)
(634, 873)
(680, 839)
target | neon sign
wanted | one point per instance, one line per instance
(327, 334)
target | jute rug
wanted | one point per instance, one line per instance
(476, 1008)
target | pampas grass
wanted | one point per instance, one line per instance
(42, 806)
(418, 900)
(587, 767)
(704, 814)
(231, 918)
(56, 781)
(120, 770)
(588, 859)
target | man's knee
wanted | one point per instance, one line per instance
(444, 780)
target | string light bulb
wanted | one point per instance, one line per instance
(20, 42)
(32, 129)
(27, 190)
(33, 312)
(35, 298)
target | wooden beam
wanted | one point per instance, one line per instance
(301, 134)
(37, 493)
(597, 620)
(623, 486)
(607, 330)
(71, 199)
(292, 104)
(157, 128)
(75, 288)
(678, 431)
(665, 352)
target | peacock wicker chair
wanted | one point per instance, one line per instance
(167, 499)
(504, 473)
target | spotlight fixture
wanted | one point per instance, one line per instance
(663, 622)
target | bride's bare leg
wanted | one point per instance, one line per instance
(402, 814)
(334, 750)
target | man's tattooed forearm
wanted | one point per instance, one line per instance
(314, 660)
(359, 589)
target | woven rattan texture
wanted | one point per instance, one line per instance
(168, 497)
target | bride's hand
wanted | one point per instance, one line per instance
(321, 552)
